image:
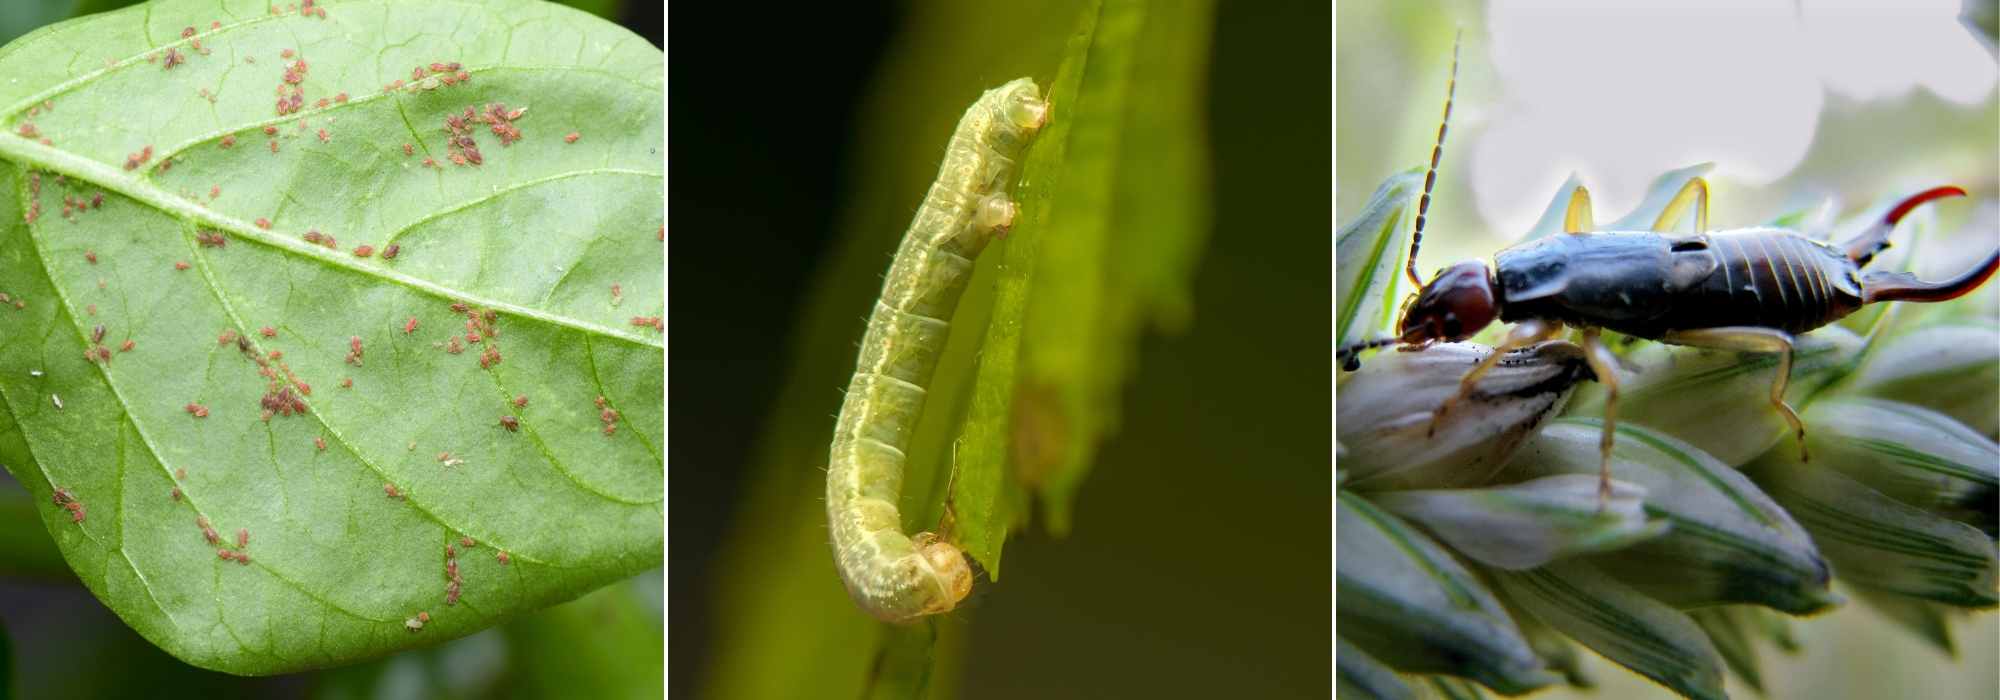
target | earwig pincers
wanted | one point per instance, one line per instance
(1749, 289)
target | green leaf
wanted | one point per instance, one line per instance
(1728, 542)
(1626, 626)
(537, 234)
(1369, 254)
(1122, 239)
(1403, 598)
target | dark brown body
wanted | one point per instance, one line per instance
(1647, 284)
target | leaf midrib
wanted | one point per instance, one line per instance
(35, 155)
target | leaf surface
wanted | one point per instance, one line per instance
(258, 371)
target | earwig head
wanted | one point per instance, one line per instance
(1456, 304)
(947, 563)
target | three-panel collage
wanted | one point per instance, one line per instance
(1358, 349)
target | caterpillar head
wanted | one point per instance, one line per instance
(1023, 106)
(946, 564)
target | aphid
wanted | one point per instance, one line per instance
(225, 554)
(572, 137)
(268, 332)
(503, 558)
(75, 511)
(174, 59)
(180, 473)
(243, 558)
(364, 251)
(177, 494)
(430, 162)
(242, 538)
(511, 423)
(97, 334)
(390, 490)
(274, 146)
(468, 542)
(97, 201)
(409, 149)
(451, 567)
(390, 252)
(287, 53)
(451, 346)
(321, 104)
(320, 443)
(133, 161)
(270, 130)
(125, 346)
(27, 129)
(346, 383)
(1711, 289)
(409, 326)
(61, 496)
(458, 307)
(214, 191)
(491, 357)
(262, 222)
(648, 322)
(304, 388)
(91, 256)
(197, 410)
(323, 137)
(215, 24)
(340, 98)
(521, 401)
(451, 593)
(210, 239)
(891, 576)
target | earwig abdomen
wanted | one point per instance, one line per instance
(1647, 284)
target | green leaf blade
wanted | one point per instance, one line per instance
(537, 234)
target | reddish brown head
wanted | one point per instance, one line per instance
(1457, 303)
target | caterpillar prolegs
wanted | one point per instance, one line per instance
(895, 577)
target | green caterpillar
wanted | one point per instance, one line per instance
(895, 577)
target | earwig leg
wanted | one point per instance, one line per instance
(1696, 191)
(1600, 358)
(1526, 334)
(1577, 219)
(1753, 339)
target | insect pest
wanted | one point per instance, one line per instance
(1749, 289)
(895, 577)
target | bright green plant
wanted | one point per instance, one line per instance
(333, 331)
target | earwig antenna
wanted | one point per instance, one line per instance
(1349, 355)
(1437, 151)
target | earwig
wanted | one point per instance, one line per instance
(1749, 289)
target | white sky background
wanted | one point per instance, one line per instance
(1620, 92)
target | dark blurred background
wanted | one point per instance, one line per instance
(1200, 562)
(59, 641)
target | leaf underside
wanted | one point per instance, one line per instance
(297, 378)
